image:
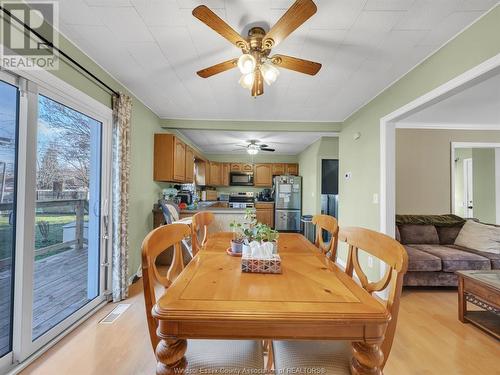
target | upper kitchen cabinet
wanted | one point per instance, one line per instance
(214, 173)
(263, 176)
(241, 167)
(169, 158)
(225, 167)
(201, 173)
(292, 169)
(189, 170)
(235, 167)
(278, 169)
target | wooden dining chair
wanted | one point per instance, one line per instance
(335, 356)
(199, 229)
(328, 224)
(201, 354)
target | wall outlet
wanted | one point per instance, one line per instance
(375, 198)
(370, 261)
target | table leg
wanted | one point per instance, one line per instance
(367, 359)
(462, 303)
(170, 356)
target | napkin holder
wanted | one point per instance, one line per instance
(261, 265)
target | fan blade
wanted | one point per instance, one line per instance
(212, 20)
(258, 84)
(262, 145)
(219, 68)
(268, 149)
(298, 13)
(294, 63)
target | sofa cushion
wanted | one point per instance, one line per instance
(398, 235)
(454, 260)
(418, 234)
(419, 260)
(479, 237)
(447, 235)
(494, 258)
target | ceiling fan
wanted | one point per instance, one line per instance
(255, 63)
(254, 146)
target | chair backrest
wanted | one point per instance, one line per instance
(199, 229)
(156, 242)
(393, 254)
(329, 224)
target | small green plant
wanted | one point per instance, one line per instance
(237, 231)
(266, 234)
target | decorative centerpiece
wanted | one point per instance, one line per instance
(259, 245)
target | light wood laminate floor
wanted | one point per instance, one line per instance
(429, 340)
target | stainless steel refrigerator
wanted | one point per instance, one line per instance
(287, 203)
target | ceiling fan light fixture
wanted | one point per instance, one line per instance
(253, 149)
(246, 63)
(246, 80)
(269, 72)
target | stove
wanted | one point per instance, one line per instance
(242, 200)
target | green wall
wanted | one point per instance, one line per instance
(483, 181)
(310, 170)
(362, 157)
(143, 190)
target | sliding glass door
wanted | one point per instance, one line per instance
(55, 151)
(68, 196)
(8, 156)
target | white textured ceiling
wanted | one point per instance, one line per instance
(478, 104)
(154, 47)
(225, 142)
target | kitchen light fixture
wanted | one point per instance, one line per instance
(269, 72)
(256, 64)
(246, 63)
(246, 81)
(253, 149)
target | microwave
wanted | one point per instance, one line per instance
(241, 179)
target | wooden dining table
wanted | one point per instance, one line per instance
(312, 299)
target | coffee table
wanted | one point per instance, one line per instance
(481, 288)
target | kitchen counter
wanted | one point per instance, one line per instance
(218, 210)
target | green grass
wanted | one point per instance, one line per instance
(55, 232)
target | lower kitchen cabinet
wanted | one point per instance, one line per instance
(265, 213)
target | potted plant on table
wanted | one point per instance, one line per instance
(238, 237)
(266, 234)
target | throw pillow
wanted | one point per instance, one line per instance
(416, 234)
(480, 237)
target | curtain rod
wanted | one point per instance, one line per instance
(61, 52)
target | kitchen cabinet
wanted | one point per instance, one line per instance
(189, 173)
(246, 167)
(225, 174)
(241, 167)
(201, 175)
(263, 176)
(292, 169)
(235, 167)
(264, 212)
(179, 160)
(169, 158)
(278, 169)
(214, 173)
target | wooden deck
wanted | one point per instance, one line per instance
(60, 288)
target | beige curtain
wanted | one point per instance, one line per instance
(122, 109)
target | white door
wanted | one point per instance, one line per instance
(468, 189)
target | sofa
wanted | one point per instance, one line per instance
(433, 256)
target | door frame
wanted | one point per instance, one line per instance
(388, 125)
(455, 145)
(31, 83)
